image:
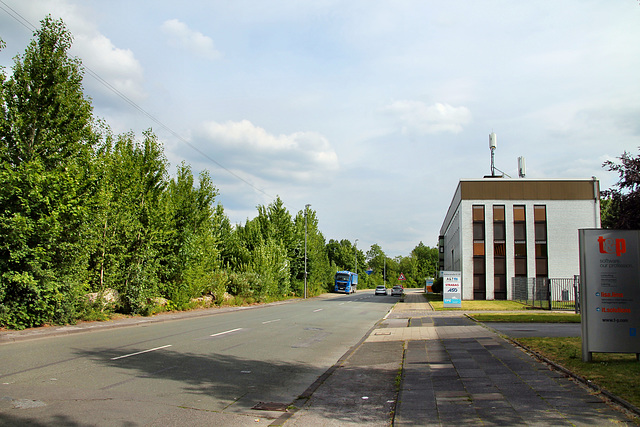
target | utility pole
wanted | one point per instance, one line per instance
(306, 207)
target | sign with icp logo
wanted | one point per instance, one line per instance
(609, 291)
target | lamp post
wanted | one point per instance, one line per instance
(355, 255)
(306, 207)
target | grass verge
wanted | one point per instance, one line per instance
(529, 317)
(480, 305)
(617, 373)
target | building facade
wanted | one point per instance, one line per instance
(497, 229)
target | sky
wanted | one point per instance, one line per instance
(370, 111)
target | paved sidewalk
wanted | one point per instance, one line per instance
(459, 372)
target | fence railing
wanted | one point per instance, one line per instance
(548, 294)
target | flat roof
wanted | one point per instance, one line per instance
(497, 188)
(529, 189)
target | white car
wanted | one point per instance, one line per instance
(397, 291)
(381, 290)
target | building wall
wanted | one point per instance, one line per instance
(564, 221)
(564, 217)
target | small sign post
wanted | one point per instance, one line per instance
(402, 277)
(428, 287)
(452, 289)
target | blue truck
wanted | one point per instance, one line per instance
(346, 281)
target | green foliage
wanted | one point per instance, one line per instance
(46, 139)
(621, 207)
(83, 210)
(437, 285)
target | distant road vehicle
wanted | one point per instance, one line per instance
(381, 290)
(346, 281)
(397, 290)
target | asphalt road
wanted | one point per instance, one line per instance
(209, 370)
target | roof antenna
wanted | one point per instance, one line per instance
(493, 144)
(522, 169)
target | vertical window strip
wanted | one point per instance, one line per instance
(479, 250)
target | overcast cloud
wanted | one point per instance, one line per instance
(371, 111)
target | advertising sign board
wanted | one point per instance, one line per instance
(428, 287)
(452, 289)
(609, 291)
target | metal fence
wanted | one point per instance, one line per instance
(548, 294)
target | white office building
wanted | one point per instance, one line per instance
(497, 229)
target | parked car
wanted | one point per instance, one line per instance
(381, 290)
(397, 290)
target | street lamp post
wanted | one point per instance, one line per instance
(306, 207)
(355, 255)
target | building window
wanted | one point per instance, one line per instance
(520, 241)
(499, 254)
(540, 230)
(479, 259)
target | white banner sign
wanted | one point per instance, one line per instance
(452, 289)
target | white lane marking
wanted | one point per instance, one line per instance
(317, 310)
(225, 332)
(270, 321)
(140, 352)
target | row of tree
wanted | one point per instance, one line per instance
(83, 210)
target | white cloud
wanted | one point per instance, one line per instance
(116, 66)
(182, 36)
(417, 117)
(299, 156)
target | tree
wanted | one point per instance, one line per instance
(427, 259)
(46, 141)
(622, 206)
(342, 254)
(132, 225)
(190, 254)
(320, 272)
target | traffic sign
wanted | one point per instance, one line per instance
(402, 277)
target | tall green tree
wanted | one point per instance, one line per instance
(190, 254)
(319, 270)
(427, 261)
(46, 142)
(132, 225)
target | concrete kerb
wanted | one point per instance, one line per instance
(605, 394)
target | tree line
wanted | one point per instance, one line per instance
(83, 210)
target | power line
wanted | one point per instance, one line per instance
(15, 15)
(25, 22)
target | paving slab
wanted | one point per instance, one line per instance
(474, 376)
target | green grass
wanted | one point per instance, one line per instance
(617, 373)
(481, 305)
(528, 317)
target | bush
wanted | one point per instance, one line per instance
(437, 285)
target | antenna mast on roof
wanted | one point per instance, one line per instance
(493, 144)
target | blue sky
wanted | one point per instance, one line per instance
(369, 110)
